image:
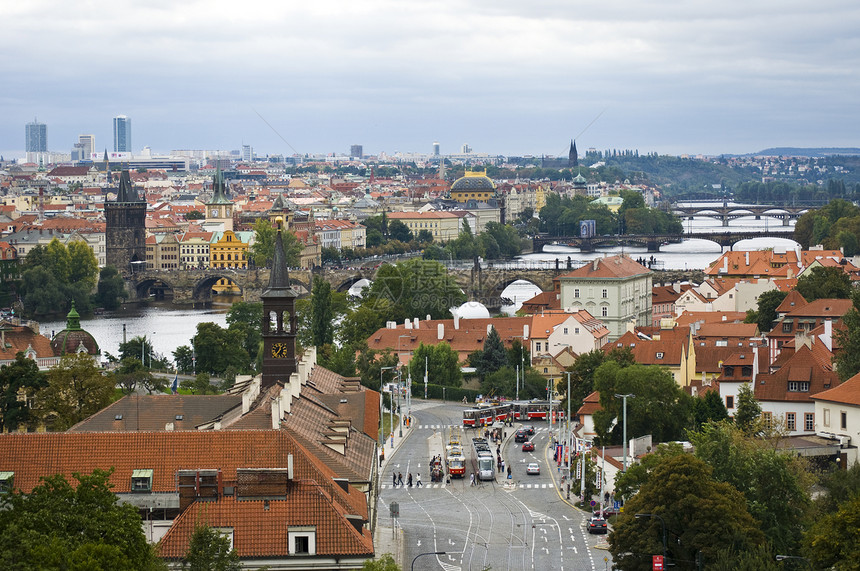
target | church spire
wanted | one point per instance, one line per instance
(279, 279)
(126, 192)
(572, 156)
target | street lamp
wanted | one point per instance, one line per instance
(663, 523)
(428, 553)
(624, 427)
(522, 364)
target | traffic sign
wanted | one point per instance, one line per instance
(657, 562)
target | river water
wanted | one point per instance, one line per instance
(169, 326)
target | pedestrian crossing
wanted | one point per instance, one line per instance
(431, 486)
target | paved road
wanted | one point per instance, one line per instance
(517, 524)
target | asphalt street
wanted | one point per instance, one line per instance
(521, 523)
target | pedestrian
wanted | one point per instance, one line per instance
(394, 478)
(400, 478)
(418, 480)
(509, 472)
(409, 480)
(606, 498)
(471, 479)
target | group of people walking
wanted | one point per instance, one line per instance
(397, 479)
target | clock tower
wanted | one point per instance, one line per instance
(279, 321)
(219, 209)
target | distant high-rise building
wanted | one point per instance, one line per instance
(466, 149)
(78, 153)
(36, 137)
(88, 142)
(356, 151)
(247, 153)
(121, 134)
(436, 149)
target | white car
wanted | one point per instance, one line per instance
(533, 468)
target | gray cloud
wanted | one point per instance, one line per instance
(505, 76)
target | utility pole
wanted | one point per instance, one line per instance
(624, 426)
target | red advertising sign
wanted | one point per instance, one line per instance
(657, 562)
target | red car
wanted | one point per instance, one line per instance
(528, 446)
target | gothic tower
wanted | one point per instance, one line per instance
(125, 231)
(219, 208)
(572, 157)
(279, 321)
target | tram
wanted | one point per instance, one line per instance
(525, 411)
(478, 417)
(483, 463)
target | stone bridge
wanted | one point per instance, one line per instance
(195, 286)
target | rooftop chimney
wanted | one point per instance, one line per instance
(827, 336)
(456, 321)
(415, 323)
(525, 332)
(747, 256)
(440, 331)
(595, 264)
(407, 324)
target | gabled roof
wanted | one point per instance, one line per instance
(791, 302)
(809, 365)
(847, 393)
(611, 267)
(155, 412)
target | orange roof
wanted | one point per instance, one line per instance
(846, 393)
(609, 267)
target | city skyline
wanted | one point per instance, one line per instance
(505, 78)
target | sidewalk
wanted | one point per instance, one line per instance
(387, 539)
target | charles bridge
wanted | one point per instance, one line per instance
(484, 284)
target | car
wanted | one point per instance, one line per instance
(597, 525)
(607, 513)
(530, 430)
(521, 436)
(533, 469)
(528, 446)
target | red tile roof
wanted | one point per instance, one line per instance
(609, 267)
(846, 393)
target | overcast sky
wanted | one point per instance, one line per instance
(504, 76)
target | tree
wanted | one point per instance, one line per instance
(701, 516)
(76, 389)
(500, 383)
(183, 356)
(443, 365)
(583, 369)
(425, 237)
(262, 251)
(709, 408)
(628, 483)
(397, 230)
(465, 246)
(767, 304)
(217, 348)
(824, 283)
(774, 483)
(847, 361)
(493, 356)
(660, 407)
(111, 289)
(369, 364)
(139, 348)
(322, 316)
(748, 410)
(132, 374)
(414, 288)
(832, 542)
(21, 375)
(209, 550)
(194, 215)
(384, 563)
(246, 318)
(60, 526)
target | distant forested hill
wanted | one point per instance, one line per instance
(814, 152)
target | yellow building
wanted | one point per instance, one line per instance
(228, 250)
(443, 225)
(473, 185)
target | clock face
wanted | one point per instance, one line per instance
(279, 350)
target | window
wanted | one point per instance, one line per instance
(730, 402)
(809, 421)
(659, 355)
(537, 347)
(141, 481)
(546, 370)
(786, 327)
(576, 330)
(6, 482)
(576, 292)
(790, 421)
(767, 418)
(604, 311)
(605, 293)
(827, 417)
(798, 386)
(302, 540)
(843, 420)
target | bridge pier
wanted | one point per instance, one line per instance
(653, 245)
(725, 221)
(586, 245)
(785, 221)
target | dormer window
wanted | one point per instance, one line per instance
(141, 481)
(302, 540)
(659, 355)
(7, 480)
